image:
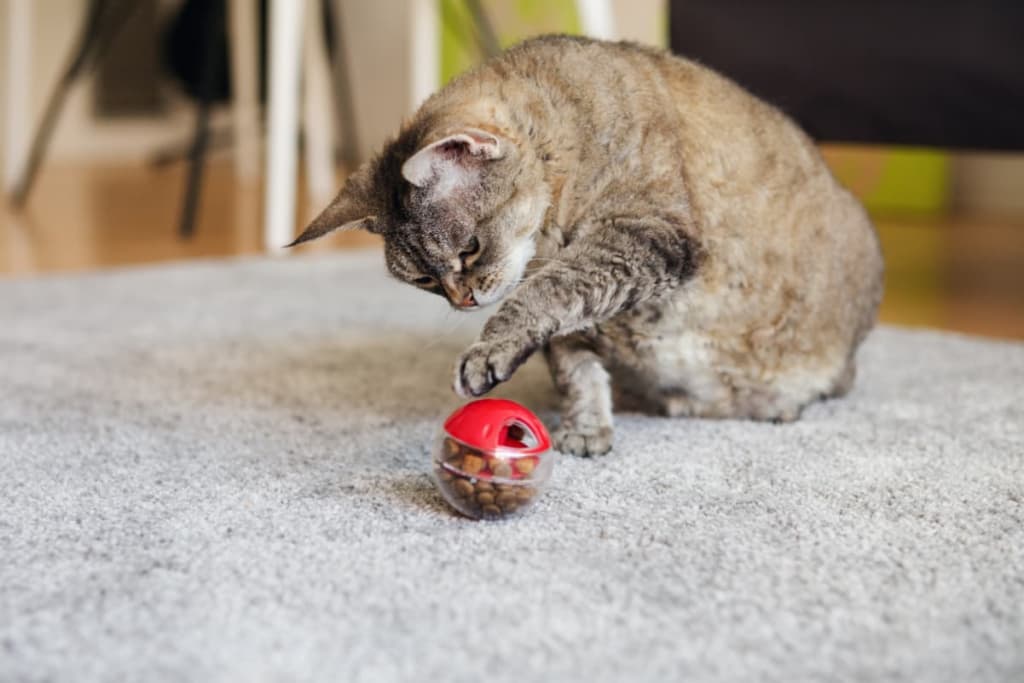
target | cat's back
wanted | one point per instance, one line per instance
(608, 79)
(627, 98)
(644, 108)
(587, 64)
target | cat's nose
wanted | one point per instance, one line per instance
(460, 298)
(451, 289)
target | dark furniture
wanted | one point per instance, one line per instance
(905, 72)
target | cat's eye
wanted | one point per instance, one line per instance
(469, 254)
(425, 281)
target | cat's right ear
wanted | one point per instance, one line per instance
(349, 210)
(455, 161)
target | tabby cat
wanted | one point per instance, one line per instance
(647, 223)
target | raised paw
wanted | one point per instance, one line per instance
(585, 442)
(486, 364)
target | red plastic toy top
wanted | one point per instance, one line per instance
(493, 423)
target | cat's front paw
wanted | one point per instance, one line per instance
(486, 364)
(588, 441)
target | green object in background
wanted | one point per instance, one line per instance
(553, 15)
(912, 180)
(893, 179)
(457, 50)
(513, 21)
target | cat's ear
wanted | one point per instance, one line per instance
(349, 210)
(455, 161)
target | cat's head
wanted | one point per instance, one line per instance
(458, 209)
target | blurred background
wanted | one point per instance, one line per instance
(138, 131)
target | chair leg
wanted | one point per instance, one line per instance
(597, 18)
(197, 163)
(175, 152)
(18, 101)
(486, 36)
(93, 37)
(285, 49)
(197, 155)
(317, 119)
(424, 52)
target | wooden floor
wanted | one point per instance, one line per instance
(962, 273)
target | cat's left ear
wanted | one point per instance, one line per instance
(454, 162)
(351, 209)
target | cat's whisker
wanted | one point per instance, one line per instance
(448, 335)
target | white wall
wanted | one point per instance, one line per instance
(379, 68)
(641, 20)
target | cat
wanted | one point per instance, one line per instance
(643, 220)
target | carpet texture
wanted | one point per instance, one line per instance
(217, 472)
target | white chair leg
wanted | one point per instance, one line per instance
(317, 113)
(424, 51)
(279, 209)
(18, 98)
(597, 18)
(244, 84)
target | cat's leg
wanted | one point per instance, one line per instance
(626, 262)
(781, 403)
(844, 382)
(581, 379)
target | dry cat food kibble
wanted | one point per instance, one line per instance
(485, 487)
(493, 458)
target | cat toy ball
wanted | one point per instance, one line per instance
(492, 458)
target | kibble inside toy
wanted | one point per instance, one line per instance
(492, 458)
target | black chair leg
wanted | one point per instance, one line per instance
(200, 142)
(197, 162)
(97, 32)
(485, 35)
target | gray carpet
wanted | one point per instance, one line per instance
(216, 472)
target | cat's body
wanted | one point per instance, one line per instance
(685, 237)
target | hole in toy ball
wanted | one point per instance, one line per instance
(517, 435)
